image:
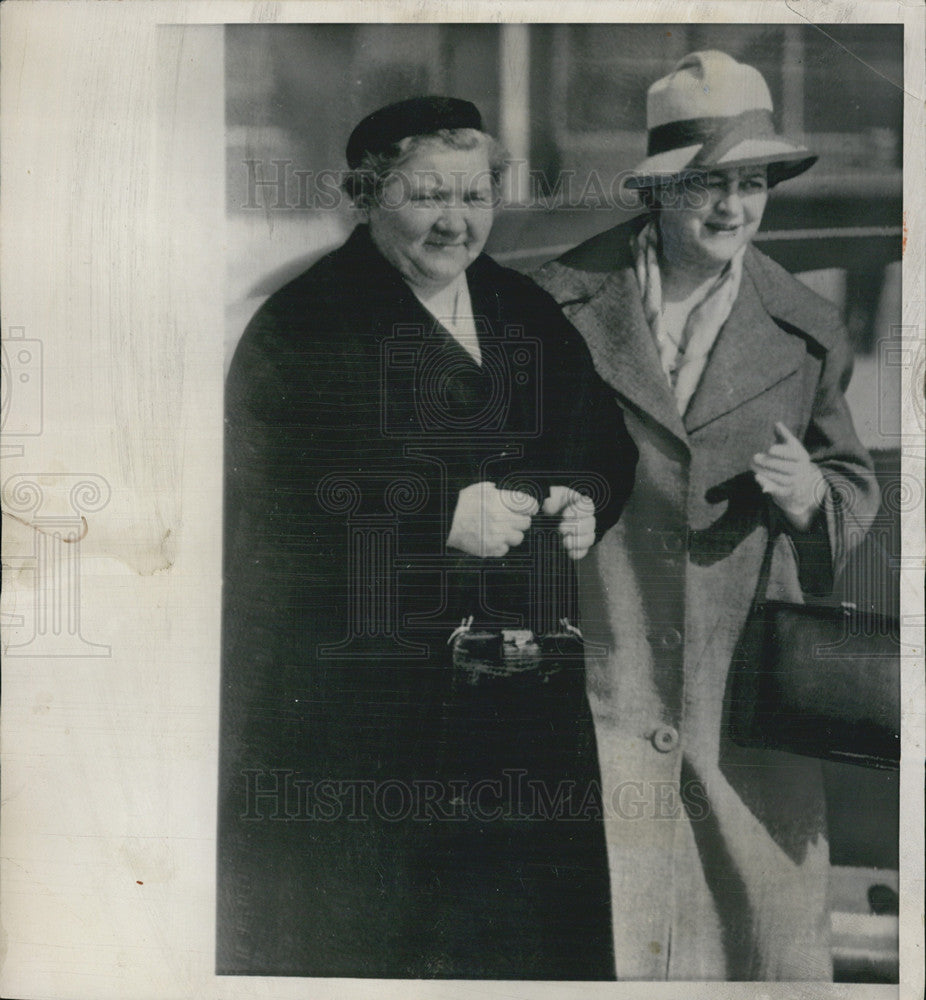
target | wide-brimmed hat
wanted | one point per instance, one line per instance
(712, 112)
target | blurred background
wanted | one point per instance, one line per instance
(568, 101)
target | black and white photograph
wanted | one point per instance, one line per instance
(463, 502)
(447, 466)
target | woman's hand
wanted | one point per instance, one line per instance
(488, 521)
(790, 477)
(577, 523)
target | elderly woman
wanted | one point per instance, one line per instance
(418, 449)
(751, 479)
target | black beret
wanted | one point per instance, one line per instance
(416, 116)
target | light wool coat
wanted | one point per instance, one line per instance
(718, 855)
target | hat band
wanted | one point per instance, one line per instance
(755, 123)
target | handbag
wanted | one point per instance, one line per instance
(821, 680)
(515, 655)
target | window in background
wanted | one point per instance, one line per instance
(840, 89)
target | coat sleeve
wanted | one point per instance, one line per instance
(852, 495)
(596, 452)
(263, 551)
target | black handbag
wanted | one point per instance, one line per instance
(515, 656)
(818, 680)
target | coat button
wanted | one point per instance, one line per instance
(665, 638)
(670, 638)
(665, 739)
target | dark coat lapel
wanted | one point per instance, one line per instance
(751, 354)
(624, 349)
(394, 304)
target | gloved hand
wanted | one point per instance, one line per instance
(577, 523)
(487, 521)
(791, 478)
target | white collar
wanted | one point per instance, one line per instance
(451, 306)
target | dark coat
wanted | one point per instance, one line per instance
(353, 420)
(718, 854)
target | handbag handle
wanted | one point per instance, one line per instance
(765, 568)
(774, 529)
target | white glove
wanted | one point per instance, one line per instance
(487, 522)
(577, 524)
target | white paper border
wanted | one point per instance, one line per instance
(112, 259)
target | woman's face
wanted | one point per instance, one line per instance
(434, 214)
(705, 221)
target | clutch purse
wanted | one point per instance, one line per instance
(819, 680)
(515, 656)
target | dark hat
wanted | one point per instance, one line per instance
(416, 116)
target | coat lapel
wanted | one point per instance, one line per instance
(396, 306)
(624, 349)
(751, 354)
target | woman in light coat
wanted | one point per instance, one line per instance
(731, 374)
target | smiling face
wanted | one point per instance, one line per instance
(705, 221)
(433, 214)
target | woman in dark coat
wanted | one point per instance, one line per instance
(731, 374)
(417, 450)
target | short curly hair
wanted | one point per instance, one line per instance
(364, 183)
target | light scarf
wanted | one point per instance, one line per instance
(683, 360)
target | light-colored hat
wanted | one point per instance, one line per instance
(713, 112)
